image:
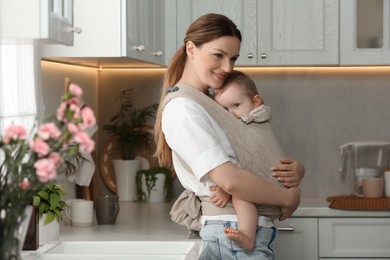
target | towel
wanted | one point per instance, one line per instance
(80, 169)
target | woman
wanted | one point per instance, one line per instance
(199, 149)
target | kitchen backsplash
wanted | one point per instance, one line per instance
(314, 110)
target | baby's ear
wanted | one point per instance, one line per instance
(257, 101)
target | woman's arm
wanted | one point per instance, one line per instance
(251, 187)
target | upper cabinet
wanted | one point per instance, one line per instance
(151, 30)
(301, 32)
(99, 23)
(275, 32)
(242, 13)
(47, 21)
(364, 32)
(139, 29)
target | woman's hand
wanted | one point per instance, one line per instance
(290, 172)
(292, 202)
(219, 197)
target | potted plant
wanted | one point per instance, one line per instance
(50, 206)
(130, 126)
(132, 129)
(154, 185)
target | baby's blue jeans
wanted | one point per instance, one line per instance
(218, 247)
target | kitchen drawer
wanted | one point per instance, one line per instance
(354, 237)
(297, 239)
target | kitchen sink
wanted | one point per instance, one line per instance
(142, 250)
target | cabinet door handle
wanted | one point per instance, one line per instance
(250, 55)
(290, 229)
(263, 55)
(76, 29)
(139, 48)
(157, 53)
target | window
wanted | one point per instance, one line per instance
(20, 87)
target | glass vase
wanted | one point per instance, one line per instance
(14, 228)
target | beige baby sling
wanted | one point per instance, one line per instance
(255, 145)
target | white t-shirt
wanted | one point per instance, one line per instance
(201, 143)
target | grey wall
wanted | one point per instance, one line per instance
(53, 87)
(315, 110)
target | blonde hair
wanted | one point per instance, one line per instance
(242, 80)
(205, 29)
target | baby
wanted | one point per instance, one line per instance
(240, 97)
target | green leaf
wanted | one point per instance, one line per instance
(36, 201)
(54, 200)
(49, 217)
(44, 194)
(43, 208)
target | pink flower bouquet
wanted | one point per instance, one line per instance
(26, 163)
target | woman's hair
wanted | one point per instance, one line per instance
(203, 30)
(242, 80)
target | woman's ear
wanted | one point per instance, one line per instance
(257, 101)
(190, 48)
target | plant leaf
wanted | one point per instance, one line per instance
(54, 201)
(50, 216)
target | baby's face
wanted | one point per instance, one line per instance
(235, 100)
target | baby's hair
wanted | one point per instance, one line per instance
(242, 80)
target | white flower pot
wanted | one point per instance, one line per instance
(125, 173)
(48, 232)
(157, 192)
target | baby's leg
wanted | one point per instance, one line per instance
(245, 235)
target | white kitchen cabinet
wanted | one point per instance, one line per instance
(297, 32)
(144, 30)
(354, 238)
(333, 238)
(46, 21)
(275, 32)
(297, 239)
(242, 13)
(101, 23)
(151, 30)
(364, 32)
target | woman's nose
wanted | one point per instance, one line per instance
(227, 66)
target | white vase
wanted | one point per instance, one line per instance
(125, 173)
(48, 232)
(157, 192)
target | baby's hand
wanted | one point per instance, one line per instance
(219, 197)
(290, 172)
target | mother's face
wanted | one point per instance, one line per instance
(214, 60)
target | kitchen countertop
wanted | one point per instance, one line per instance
(136, 221)
(151, 222)
(319, 207)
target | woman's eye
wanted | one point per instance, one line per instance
(236, 105)
(218, 55)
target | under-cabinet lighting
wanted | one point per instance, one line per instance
(316, 69)
(100, 68)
